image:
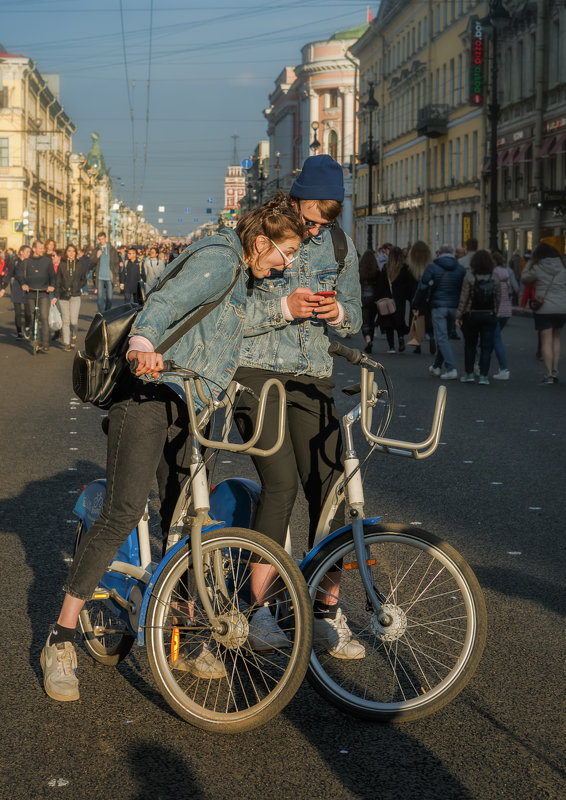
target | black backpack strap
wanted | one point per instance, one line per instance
(340, 246)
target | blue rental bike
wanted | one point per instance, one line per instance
(197, 601)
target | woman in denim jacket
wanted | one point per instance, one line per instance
(148, 431)
(287, 337)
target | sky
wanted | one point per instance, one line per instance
(210, 65)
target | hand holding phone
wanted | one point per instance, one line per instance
(325, 294)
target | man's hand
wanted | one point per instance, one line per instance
(50, 288)
(327, 308)
(148, 363)
(25, 287)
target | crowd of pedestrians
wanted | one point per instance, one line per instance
(56, 276)
(471, 290)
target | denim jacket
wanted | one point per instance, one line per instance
(300, 346)
(212, 347)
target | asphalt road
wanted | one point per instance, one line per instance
(495, 490)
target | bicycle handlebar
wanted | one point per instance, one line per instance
(211, 405)
(399, 447)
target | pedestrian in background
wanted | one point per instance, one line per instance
(477, 314)
(509, 286)
(22, 315)
(153, 267)
(132, 273)
(369, 272)
(547, 272)
(418, 258)
(71, 277)
(36, 273)
(105, 263)
(441, 282)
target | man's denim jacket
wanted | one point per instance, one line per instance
(300, 346)
(212, 347)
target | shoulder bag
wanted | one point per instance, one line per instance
(98, 369)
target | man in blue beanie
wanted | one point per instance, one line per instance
(286, 337)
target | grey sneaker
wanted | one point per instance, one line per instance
(59, 665)
(264, 632)
(435, 371)
(204, 666)
(336, 637)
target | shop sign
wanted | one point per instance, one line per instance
(467, 226)
(412, 202)
(555, 125)
(477, 61)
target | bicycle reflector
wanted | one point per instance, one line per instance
(354, 564)
(175, 638)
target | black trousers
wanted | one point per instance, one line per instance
(148, 437)
(312, 448)
(43, 305)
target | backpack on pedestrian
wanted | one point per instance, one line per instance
(484, 295)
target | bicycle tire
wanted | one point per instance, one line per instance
(256, 685)
(436, 637)
(105, 633)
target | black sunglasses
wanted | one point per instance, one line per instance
(310, 224)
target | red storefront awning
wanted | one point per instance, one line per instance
(558, 145)
(546, 146)
(521, 153)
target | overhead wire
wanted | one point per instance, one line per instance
(130, 103)
(145, 146)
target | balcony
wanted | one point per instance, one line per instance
(432, 121)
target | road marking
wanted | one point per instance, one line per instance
(467, 462)
(514, 553)
(535, 508)
(496, 483)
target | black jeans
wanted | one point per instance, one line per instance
(312, 446)
(22, 316)
(480, 324)
(148, 436)
(43, 304)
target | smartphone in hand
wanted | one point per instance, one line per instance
(325, 294)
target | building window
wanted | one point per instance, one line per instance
(331, 98)
(4, 153)
(3, 208)
(451, 84)
(419, 33)
(3, 97)
(475, 154)
(465, 158)
(459, 81)
(333, 145)
(457, 161)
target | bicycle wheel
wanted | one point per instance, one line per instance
(255, 685)
(105, 633)
(433, 639)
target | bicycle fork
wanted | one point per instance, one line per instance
(354, 500)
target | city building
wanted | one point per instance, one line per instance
(234, 191)
(35, 149)
(421, 129)
(312, 110)
(530, 132)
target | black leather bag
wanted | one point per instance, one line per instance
(101, 366)
(98, 368)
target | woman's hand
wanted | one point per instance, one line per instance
(53, 301)
(303, 303)
(148, 363)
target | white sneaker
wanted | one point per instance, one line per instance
(449, 375)
(391, 350)
(204, 666)
(264, 632)
(336, 637)
(502, 375)
(59, 665)
(434, 371)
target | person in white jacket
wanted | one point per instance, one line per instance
(547, 270)
(153, 266)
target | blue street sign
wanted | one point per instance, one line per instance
(209, 211)
(210, 200)
(247, 163)
(180, 219)
(187, 211)
(195, 219)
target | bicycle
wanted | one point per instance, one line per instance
(197, 598)
(410, 598)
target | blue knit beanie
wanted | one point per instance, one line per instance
(321, 178)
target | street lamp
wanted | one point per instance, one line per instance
(261, 180)
(277, 168)
(498, 19)
(369, 108)
(315, 144)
